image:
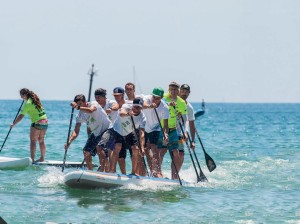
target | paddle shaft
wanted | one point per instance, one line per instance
(210, 163)
(139, 143)
(171, 154)
(11, 128)
(68, 138)
(202, 177)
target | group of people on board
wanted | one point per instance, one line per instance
(145, 125)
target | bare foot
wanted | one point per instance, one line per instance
(39, 160)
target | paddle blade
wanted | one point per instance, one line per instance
(202, 177)
(210, 163)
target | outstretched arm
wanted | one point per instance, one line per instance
(19, 118)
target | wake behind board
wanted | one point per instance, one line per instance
(9, 162)
(59, 163)
(90, 179)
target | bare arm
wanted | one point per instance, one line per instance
(74, 135)
(192, 131)
(19, 118)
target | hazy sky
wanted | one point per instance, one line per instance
(227, 50)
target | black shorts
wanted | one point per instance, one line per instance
(123, 152)
(91, 143)
(126, 141)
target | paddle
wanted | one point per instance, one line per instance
(11, 128)
(210, 163)
(200, 112)
(171, 154)
(139, 143)
(202, 177)
(68, 138)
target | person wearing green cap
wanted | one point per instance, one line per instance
(153, 104)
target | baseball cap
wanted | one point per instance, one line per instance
(158, 92)
(118, 91)
(185, 86)
(138, 102)
(174, 84)
(100, 92)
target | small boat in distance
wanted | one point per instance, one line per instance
(201, 111)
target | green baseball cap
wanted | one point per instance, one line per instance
(158, 92)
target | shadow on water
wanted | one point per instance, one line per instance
(126, 200)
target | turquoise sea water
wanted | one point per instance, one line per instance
(257, 180)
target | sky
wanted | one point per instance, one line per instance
(227, 51)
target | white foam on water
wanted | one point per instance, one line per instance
(51, 178)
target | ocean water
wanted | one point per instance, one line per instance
(257, 180)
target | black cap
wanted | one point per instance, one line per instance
(185, 86)
(138, 102)
(100, 92)
(118, 90)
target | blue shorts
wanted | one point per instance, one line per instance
(173, 140)
(40, 125)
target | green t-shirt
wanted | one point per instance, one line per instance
(34, 113)
(180, 107)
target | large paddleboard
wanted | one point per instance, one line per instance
(90, 179)
(9, 162)
(59, 163)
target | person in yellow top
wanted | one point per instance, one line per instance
(177, 107)
(39, 122)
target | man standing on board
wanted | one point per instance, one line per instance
(97, 120)
(177, 107)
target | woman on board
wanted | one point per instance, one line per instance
(39, 122)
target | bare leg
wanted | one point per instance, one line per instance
(134, 159)
(181, 159)
(141, 167)
(103, 161)
(122, 165)
(156, 164)
(162, 153)
(115, 157)
(42, 144)
(34, 133)
(149, 156)
(88, 160)
(176, 159)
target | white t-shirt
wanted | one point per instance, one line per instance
(190, 116)
(152, 123)
(124, 126)
(97, 121)
(112, 116)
